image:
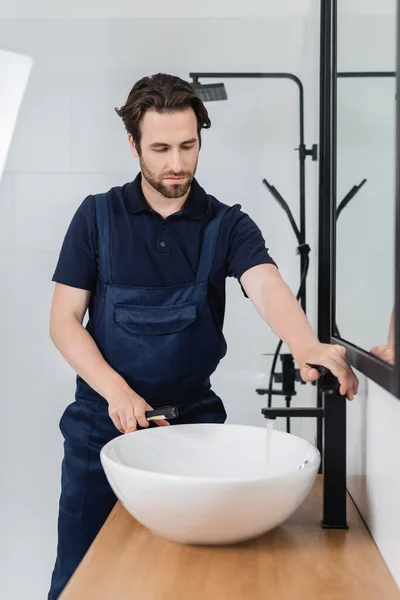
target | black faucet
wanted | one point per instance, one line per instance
(333, 451)
(327, 382)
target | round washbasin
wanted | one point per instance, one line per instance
(210, 483)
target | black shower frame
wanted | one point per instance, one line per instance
(302, 149)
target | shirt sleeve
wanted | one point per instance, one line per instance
(77, 263)
(247, 247)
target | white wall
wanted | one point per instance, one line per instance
(69, 143)
(373, 463)
(46, 9)
(95, 9)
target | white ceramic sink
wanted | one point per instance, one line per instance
(210, 483)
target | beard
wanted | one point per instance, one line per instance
(172, 190)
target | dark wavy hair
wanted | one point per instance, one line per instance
(164, 93)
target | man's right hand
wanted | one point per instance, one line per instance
(127, 411)
(126, 408)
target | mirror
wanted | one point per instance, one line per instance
(365, 176)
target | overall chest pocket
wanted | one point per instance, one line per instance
(153, 343)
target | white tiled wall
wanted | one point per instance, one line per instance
(180, 8)
(7, 213)
(43, 137)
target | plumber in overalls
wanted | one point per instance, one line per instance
(149, 261)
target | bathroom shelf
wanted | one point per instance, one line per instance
(296, 561)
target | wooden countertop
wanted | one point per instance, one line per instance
(296, 561)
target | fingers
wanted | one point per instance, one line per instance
(131, 423)
(338, 365)
(309, 374)
(335, 361)
(114, 416)
(162, 423)
(139, 413)
(340, 349)
(130, 414)
(352, 375)
(385, 353)
(124, 421)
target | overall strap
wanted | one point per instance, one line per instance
(103, 228)
(210, 243)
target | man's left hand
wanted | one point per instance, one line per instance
(333, 357)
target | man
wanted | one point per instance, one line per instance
(150, 259)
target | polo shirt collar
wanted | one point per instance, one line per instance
(195, 206)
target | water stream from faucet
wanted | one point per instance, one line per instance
(270, 429)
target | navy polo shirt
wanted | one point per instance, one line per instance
(147, 250)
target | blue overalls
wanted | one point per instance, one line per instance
(164, 342)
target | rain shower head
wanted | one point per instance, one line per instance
(210, 91)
